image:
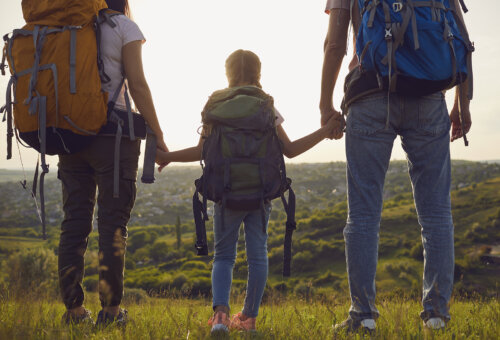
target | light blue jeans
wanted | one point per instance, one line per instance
(226, 239)
(423, 124)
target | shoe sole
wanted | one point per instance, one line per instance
(219, 331)
(359, 330)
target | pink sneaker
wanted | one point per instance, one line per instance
(242, 322)
(220, 323)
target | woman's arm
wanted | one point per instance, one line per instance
(139, 89)
(299, 146)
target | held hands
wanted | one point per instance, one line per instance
(456, 126)
(162, 158)
(160, 142)
(161, 151)
(334, 121)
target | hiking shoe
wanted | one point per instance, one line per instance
(243, 323)
(70, 318)
(220, 324)
(435, 324)
(350, 326)
(105, 319)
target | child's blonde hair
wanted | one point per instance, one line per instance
(243, 68)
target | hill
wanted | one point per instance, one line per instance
(155, 260)
(317, 186)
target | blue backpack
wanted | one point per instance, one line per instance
(410, 47)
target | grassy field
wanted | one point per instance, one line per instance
(291, 318)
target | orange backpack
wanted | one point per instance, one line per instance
(55, 75)
(54, 94)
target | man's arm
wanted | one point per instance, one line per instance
(461, 102)
(335, 49)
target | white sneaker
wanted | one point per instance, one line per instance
(350, 326)
(435, 323)
(368, 324)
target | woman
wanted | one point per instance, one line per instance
(92, 168)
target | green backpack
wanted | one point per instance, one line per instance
(242, 161)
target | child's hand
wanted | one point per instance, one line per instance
(162, 159)
(335, 127)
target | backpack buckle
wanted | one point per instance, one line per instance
(397, 7)
(471, 48)
(388, 33)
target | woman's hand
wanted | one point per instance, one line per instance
(162, 158)
(160, 142)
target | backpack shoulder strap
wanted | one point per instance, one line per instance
(291, 225)
(105, 15)
(200, 216)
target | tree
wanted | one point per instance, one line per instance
(178, 232)
(141, 239)
(159, 250)
(32, 270)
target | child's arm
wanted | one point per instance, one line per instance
(191, 154)
(299, 146)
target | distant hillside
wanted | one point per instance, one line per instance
(155, 262)
(317, 186)
(7, 175)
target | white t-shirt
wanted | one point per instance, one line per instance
(112, 41)
(279, 118)
(331, 4)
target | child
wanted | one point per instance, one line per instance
(243, 69)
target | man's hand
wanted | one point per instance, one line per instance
(331, 113)
(335, 127)
(456, 126)
(326, 114)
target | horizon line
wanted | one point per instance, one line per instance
(287, 163)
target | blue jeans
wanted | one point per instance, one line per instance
(226, 238)
(423, 125)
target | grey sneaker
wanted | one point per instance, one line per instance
(350, 326)
(105, 319)
(220, 324)
(69, 318)
(435, 324)
(219, 331)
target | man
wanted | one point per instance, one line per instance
(373, 122)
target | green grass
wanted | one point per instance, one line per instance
(291, 318)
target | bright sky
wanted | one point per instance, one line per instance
(188, 42)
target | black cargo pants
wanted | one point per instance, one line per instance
(81, 174)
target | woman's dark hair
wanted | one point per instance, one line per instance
(119, 6)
